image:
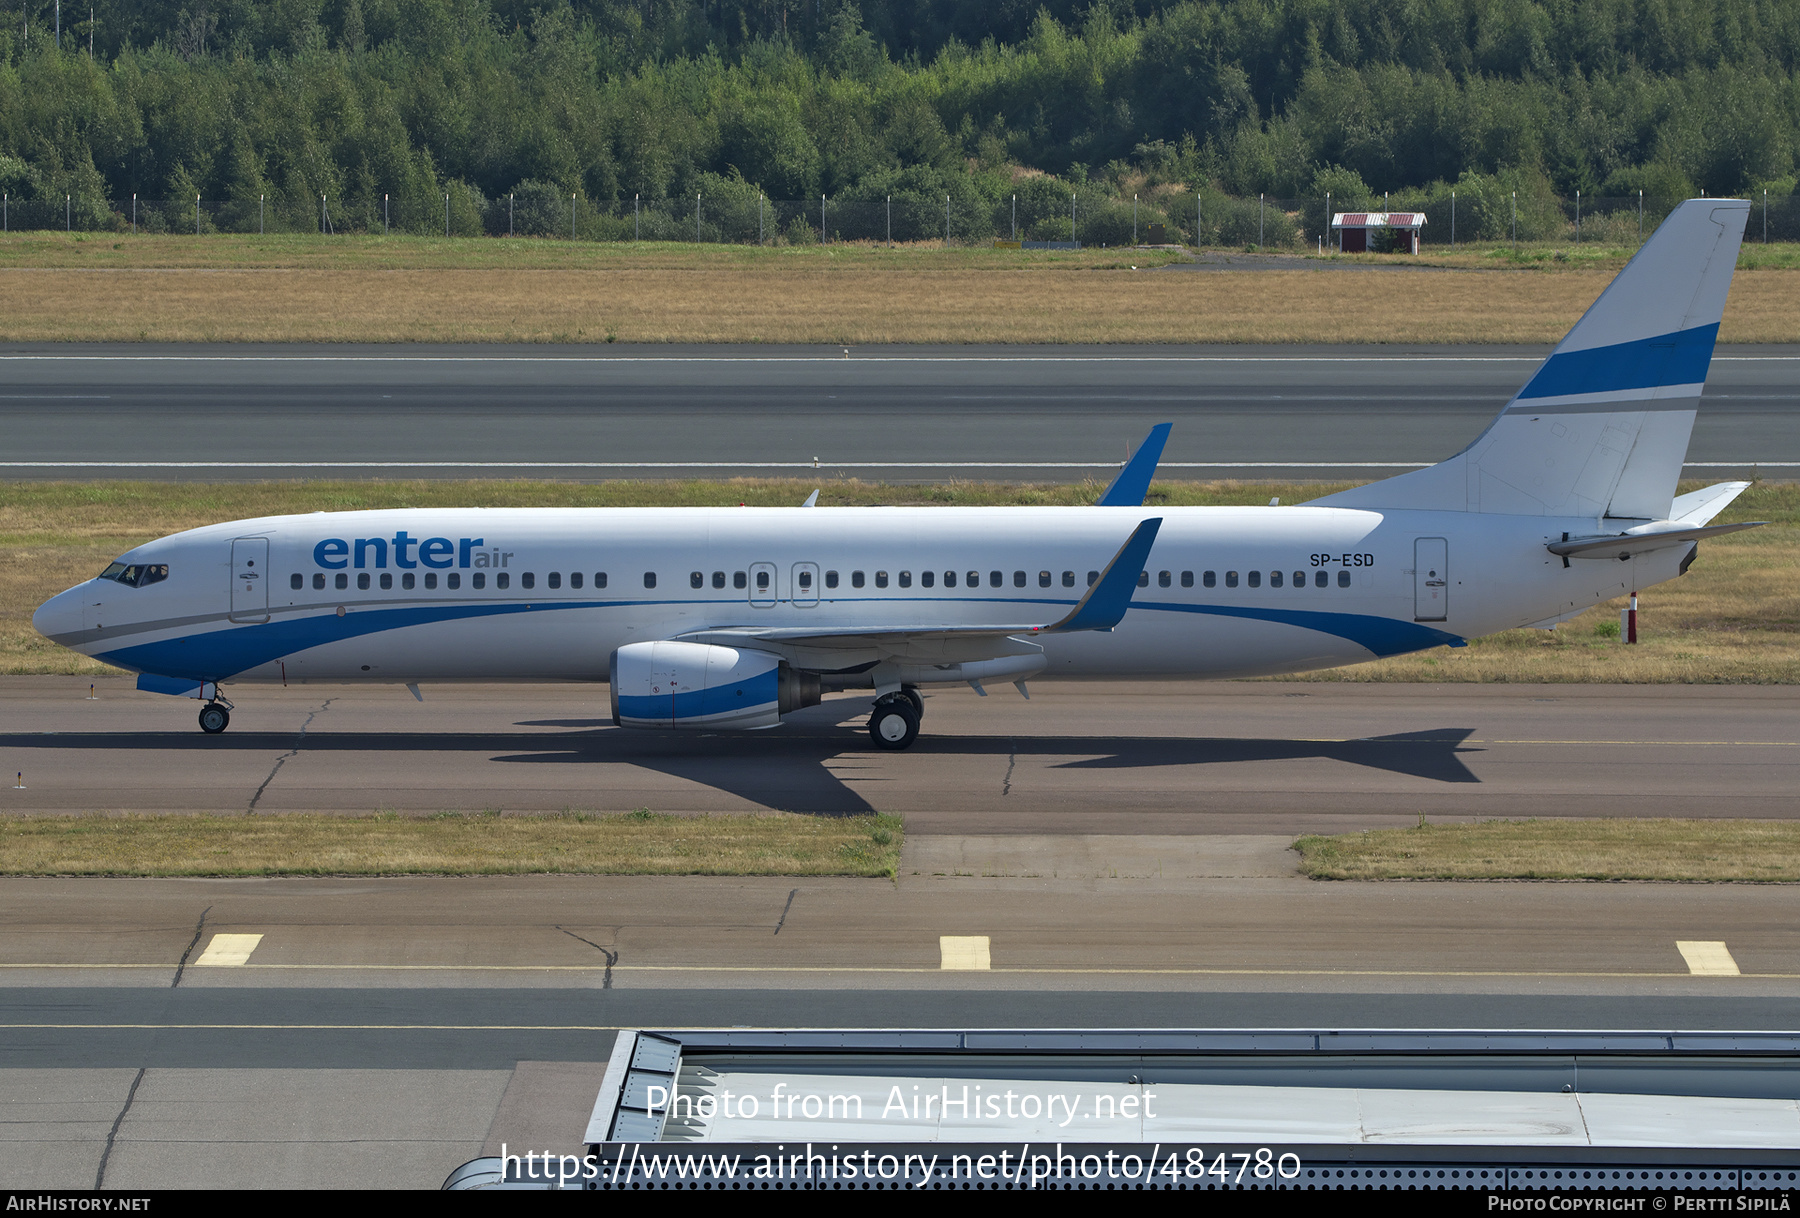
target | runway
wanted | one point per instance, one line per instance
(912, 413)
(1178, 757)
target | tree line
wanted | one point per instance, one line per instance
(920, 100)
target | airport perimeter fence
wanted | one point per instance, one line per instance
(1089, 216)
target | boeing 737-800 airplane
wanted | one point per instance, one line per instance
(731, 618)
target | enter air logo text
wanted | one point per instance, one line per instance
(408, 552)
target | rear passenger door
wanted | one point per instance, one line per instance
(1431, 579)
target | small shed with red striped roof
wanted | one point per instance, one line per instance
(1382, 232)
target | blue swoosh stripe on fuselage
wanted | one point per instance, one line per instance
(217, 655)
(1681, 358)
(1385, 636)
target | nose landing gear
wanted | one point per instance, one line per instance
(215, 717)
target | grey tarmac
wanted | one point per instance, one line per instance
(897, 413)
(1150, 757)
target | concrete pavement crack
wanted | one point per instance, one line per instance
(612, 958)
(113, 1133)
(293, 752)
(181, 966)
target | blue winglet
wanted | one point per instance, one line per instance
(1105, 604)
(1133, 482)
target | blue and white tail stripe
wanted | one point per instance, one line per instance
(1600, 431)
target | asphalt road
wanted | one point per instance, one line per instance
(897, 413)
(1179, 757)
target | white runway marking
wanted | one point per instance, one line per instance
(1707, 958)
(228, 950)
(965, 953)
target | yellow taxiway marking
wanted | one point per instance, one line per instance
(964, 953)
(1707, 958)
(228, 950)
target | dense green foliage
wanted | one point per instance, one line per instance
(232, 99)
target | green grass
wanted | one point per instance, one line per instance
(1623, 849)
(451, 843)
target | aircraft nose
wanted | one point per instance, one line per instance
(58, 616)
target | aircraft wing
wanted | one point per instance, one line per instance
(837, 647)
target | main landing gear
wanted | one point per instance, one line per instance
(894, 723)
(215, 717)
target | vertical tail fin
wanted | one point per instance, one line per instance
(1602, 428)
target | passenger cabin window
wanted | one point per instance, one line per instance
(501, 580)
(696, 579)
(806, 581)
(831, 579)
(1143, 579)
(718, 580)
(387, 581)
(407, 580)
(431, 581)
(881, 579)
(1254, 579)
(297, 582)
(1231, 579)
(739, 580)
(856, 579)
(1043, 579)
(453, 581)
(949, 579)
(556, 579)
(574, 579)
(926, 579)
(341, 582)
(906, 579)
(1210, 579)
(1068, 579)
(1320, 579)
(762, 581)
(1274, 579)
(974, 578)
(362, 581)
(995, 579)
(649, 579)
(1299, 579)
(527, 579)
(1343, 579)
(599, 579)
(1187, 579)
(319, 583)
(478, 580)
(1018, 579)
(1164, 579)
(1093, 578)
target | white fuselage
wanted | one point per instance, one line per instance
(1248, 591)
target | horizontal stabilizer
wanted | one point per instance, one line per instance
(1699, 507)
(1626, 545)
(1133, 482)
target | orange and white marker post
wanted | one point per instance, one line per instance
(1631, 620)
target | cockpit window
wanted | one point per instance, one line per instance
(136, 575)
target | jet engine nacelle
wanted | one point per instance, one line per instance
(700, 685)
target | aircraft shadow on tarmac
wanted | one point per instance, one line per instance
(811, 769)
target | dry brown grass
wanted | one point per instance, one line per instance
(637, 843)
(785, 304)
(1734, 618)
(1764, 851)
